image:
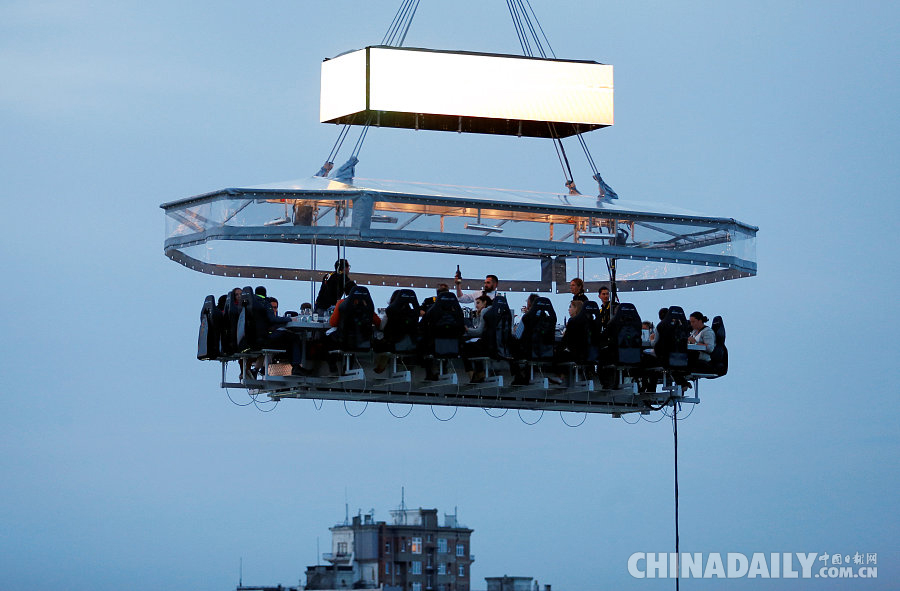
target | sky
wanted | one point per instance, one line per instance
(124, 465)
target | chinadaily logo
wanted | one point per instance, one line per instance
(759, 565)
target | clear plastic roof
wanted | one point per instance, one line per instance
(242, 231)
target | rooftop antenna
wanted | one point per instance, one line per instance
(346, 508)
(402, 498)
(241, 574)
(317, 551)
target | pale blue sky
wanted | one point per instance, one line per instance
(125, 466)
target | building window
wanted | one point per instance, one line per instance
(387, 547)
(462, 570)
(417, 545)
(460, 550)
(442, 545)
(428, 538)
(387, 568)
(416, 567)
(442, 568)
(341, 548)
(417, 587)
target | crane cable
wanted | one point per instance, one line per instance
(395, 36)
(522, 20)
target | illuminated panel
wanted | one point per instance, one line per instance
(343, 86)
(469, 92)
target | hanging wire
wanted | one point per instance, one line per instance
(274, 406)
(520, 30)
(487, 412)
(342, 135)
(360, 412)
(408, 23)
(661, 417)
(527, 20)
(394, 23)
(228, 393)
(399, 416)
(519, 412)
(677, 544)
(567, 424)
(395, 36)
(320, 404)
(636, 421)
(455, 410)
(538, 22)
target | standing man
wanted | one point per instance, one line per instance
(490, 290)
(604, 305)
(335, 286)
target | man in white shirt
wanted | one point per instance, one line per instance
(490, 290)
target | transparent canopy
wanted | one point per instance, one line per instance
(525, 237)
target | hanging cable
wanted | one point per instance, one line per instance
(538, 22)
(394, 23)
(408, 24)
(274, 406)
(527, 20)
(520, 33)
(455, 410)
(395, 36)
(541, 416)
(677, 544)
(568, 424)
(360, 412)
(396, 416)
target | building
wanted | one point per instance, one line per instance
(412, 553)
(507, 583)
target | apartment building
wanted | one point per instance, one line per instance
(412, 553)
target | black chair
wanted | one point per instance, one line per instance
(590, 311)
(229, 324)
(673, 330)
(444, 326)
(497, 320)
(245, 335)
(625, 335)
(718, 359)
(355, 327)
(539, 331)
(401, 331)
(210, 323)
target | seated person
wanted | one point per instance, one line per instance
(701, 335)
(647, 326)
(428, 302)
(475, 345)
(573, 345)
(276, 336)
(654, 333)
(519, 328)
(574, 338)
(335, 319)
